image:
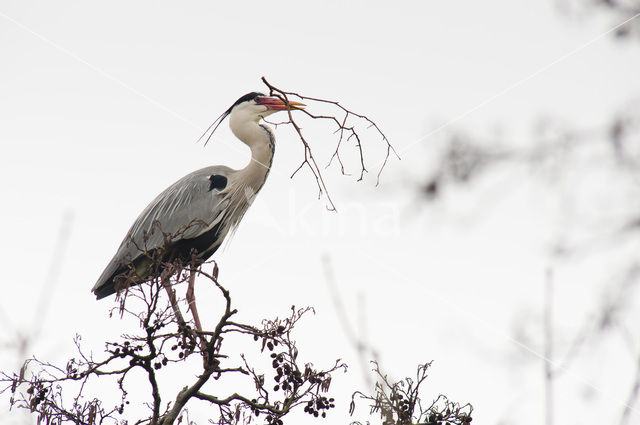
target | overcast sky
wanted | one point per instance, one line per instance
(101, 105)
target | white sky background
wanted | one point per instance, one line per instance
(100, 106)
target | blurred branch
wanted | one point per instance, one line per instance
(597, 169)
(548, 348)
(357, 340)
(632, 397)
(22, 339)
(605, 317)
(622, 9)
(53, 274)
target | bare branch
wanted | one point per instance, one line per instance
(345, 131)
(399, 403)
(58, 394)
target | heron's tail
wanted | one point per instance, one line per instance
(105, 290)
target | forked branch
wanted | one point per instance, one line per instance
(346, 130)
(400, 403)
(62, 394)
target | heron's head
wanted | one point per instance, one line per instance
(252, 107)
(255, 106)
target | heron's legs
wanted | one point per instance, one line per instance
(191, 299)
(165, 280)
(191, 295)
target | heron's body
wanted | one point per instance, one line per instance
(195, 214)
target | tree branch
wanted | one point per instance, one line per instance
(345, 131)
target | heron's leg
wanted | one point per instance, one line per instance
(191, 299)
(165, 279)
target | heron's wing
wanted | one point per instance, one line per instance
(185, 210)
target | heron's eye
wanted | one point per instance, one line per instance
(258, 100)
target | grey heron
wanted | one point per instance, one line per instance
(194, 215)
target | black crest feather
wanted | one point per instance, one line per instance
(218, 121)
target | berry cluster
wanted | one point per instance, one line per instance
(437, 418)
(316, 407)
(156, 326)
(186, 348)
(404, 406)
(38, 392)
(286, 377)
(274, 420)
(121, 407)
(158, 365)
(126, 349)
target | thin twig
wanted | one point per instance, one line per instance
(345, 131)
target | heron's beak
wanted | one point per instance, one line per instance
(277, 104)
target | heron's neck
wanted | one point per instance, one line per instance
(261, 141)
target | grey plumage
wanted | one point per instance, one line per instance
(183, 211)
(196, 213)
